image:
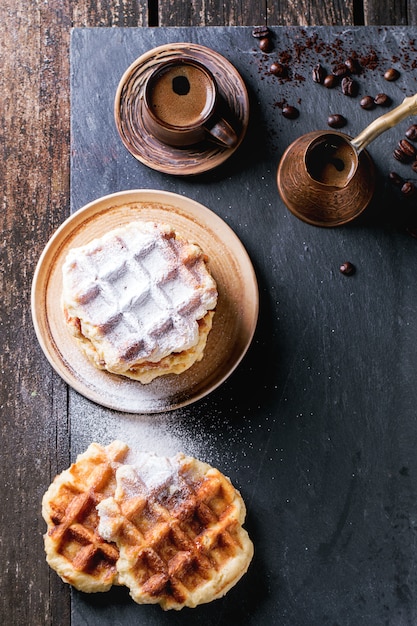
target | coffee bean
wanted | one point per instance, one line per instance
(414, 166)
(336, 121)
(382, 100)
(319, 74)
(391, 74)
(340, 70)
(408, 188)
(290, 112)
(367, 102)
(407, 151)
(407, 148)
(411, 132)
(260, 32)
(347, 268)
(349, 87)
(400, 156)
(277, 69)
(396, 179)
(330, 81)
(265, 44)
(352, 65)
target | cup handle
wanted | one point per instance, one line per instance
(221, 132)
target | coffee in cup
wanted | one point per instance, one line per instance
(182, 105)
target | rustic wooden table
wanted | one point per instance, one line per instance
(36, 412)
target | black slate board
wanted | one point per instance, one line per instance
(318, 426)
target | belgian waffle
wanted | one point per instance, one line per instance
(177, 523)
(139, 300)
(74, 549)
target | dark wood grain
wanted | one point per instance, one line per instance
(34, 178)
(215, 13)
(369, 12)
(34, 182)
(235, 13)
(400, 13)
(304, 13)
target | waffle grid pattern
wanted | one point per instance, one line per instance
(75, 533)
(72, 541)
(177, 538)
(140, 290)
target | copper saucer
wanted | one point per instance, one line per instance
(149, 150)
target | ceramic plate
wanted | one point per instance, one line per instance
(234, 322)
(149, 150)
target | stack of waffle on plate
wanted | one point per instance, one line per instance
(139, 300)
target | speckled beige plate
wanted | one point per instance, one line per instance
(234, 321)
(149, 150)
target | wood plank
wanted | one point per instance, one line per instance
(399, 13)
(34, 178)
(109, 13)
(301, 12)
(309, 12)
(34, 181)
(200, 13)
(214, 13)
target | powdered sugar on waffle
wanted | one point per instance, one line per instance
(154, 471)
(149, 475)
(138, 292)
(177, 523)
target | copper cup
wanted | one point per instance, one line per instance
(182, 105)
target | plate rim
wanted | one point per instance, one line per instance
(51, 250)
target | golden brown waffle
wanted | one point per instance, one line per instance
(140, 300)
(178, 525)
(74, 549)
